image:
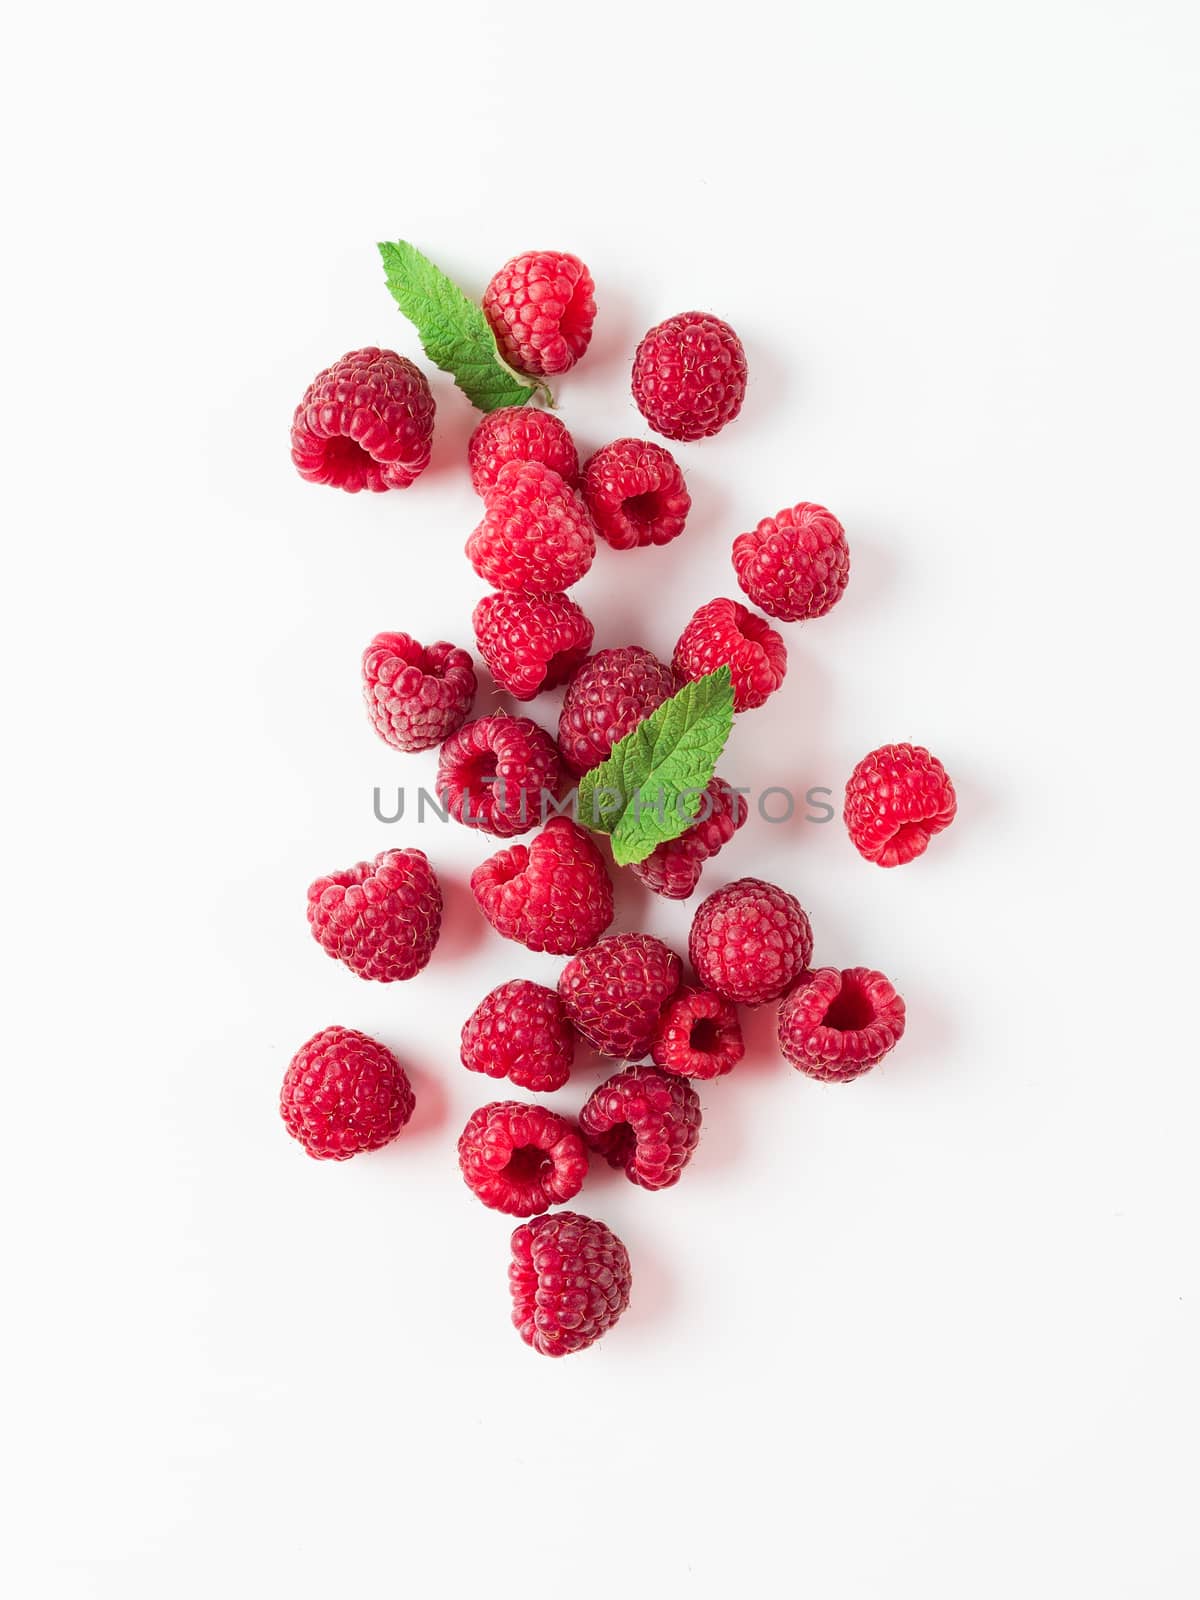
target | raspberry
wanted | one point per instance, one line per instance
(636, 493)
(553, 894)
(698, 1035)
(416, 695)
(689, 376)
(344, 1092)
(614, 993)
(750, 941)
(520, 433)
(724, 633)
(364, 423)
(497, 774)
(541, 310)
(644, 1122)
(794, 565)
(569, 1279)
(520, 1032)
(536, 535)
(381, 917)
(673, 868)
(836, 1025)
(610, 694)
(897, 798)
(521, 1159)
(531, 642)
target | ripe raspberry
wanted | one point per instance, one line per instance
(416, 695)
(689, 376)
(725, 633)
(541, 311)
(381, 917)
(636, 493)
(897, 798)
(614, 992)
(364, 423)
(644, 1122)
(553, 894)
(344, 1092)
(836, 1025)
(796, 564)
(536, 535)
(521, 1159)
(498, 773)
(520, 1032)
(610, 694)
(673, 869)
(569, 1279)
(750, 941)
(531, 642)
(520, 433)
(698, 1035)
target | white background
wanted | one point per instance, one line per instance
(932, 1334)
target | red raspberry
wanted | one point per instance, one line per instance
(569, 1278)
(498, 773)
(750, 941)
(520, 433)
(673, 869)
(381, 917)
(644, 1122)
(541, 310)
(520, 1032)
(531, 642)
(836, 1025)
(521, 1159)
(416, 695)
(614, 992)
(536, 535)
(553, 894)
(364, 423)
(611, 693)
(698, 1035)
(344, 1092)
(689, 376)
(724, 633)
(796, 564)
(897, 798)
(636, 493)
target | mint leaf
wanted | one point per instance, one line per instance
(652, 785)
(454, 332)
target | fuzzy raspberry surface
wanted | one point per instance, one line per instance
(615, 991)
(897, 798)
(569, 1279)
(536, 535)
(689, 376)
(541, 309)
(521, 1159)
(520, 433)
(673, 868)
(724, 633)
(553, 894)
(837, 1025)
(364, 423)
(644, 1122)
(609, 695)
(636, 494)
(698, 1035)
(344, 1092)
(497, 773)
(796, 564)
(531, 642)
(520, 1032)
(381, 918)
(416, 695)
(750, 941)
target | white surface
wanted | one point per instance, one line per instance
(930, 1335)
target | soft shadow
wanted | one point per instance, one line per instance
(463, 924)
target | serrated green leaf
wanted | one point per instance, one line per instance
(454, 332)
(650, 788)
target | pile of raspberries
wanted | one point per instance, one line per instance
(366, 423)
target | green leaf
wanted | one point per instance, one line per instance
(651, 787)
(454, 332)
